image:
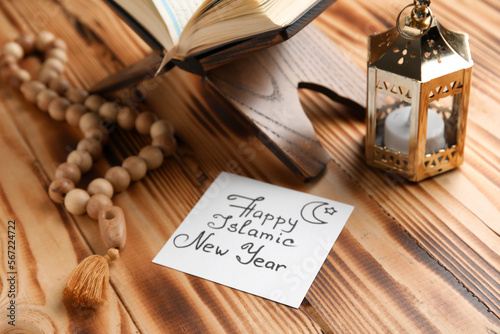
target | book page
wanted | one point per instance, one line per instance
(221, 22)
(176, 13)
(147, 16)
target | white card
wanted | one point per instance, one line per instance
(256, 237)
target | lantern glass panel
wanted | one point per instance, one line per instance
(448, 108)
(386, 104)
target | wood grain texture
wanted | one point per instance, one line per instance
(419, 258)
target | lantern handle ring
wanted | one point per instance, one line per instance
(423, 32)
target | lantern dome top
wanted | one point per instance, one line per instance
(437, 52)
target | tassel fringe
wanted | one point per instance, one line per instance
(87, 284)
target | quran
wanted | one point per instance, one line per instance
(199, 35)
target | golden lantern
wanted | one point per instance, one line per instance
(419, 77)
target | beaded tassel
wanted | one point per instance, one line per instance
(87, 284)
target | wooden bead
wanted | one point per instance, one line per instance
(113, 254)
(101, 186)
(77, 95)
(14, 49)
(161, 127)
(93, 102)
(44, 97)
(167, 144)
(74, 113)
(31, 89)
(59, 188)
(136, 167)
(7, 60)
(119, 178)
(69, 171)
(8, 65)
(91, 145)
(23, 76)
(18, 77)
(57, 108)
(59, 84)
(59, 54)
(126, 118)
(8, 71)
(112, 227)
(109, 110)
(58, 44)
(47, 74)
(100, 135)
(89, 120)
(82, 159)
(53, 64)
(96, 204)
(144, 121)
(76, 200)
(27, 42)
(152, 155)
(44, 39)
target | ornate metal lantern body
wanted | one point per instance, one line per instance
(419, 77)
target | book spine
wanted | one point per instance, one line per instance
(191, 65)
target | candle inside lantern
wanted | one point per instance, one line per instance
(397, 131)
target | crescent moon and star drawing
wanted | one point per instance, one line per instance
(317, 212)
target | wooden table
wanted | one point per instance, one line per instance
(412, 258)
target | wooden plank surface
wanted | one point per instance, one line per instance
(413, 257)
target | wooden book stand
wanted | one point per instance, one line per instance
(262, 89)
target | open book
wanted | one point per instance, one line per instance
(199, 35)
